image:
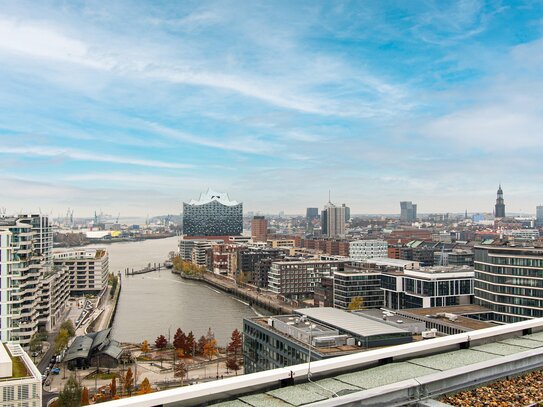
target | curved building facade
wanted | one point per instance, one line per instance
(213, 214)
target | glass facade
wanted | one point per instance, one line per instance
(212, 219)
(509, 281)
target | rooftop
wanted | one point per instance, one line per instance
(349, 322)
(210, 196)
(460, 311)
(387, 376)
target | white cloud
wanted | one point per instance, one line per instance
(67, 153)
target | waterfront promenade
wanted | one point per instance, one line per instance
(246, 292)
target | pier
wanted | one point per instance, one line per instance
(150, 268)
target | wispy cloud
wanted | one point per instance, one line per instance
(65, 153)
(275, 102)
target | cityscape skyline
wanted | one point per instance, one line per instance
(426, 102)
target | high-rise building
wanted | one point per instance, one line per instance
(213, 214)
(347, 212)
(499, 209)
(408, 211)
(508, 281)
(259, 229)
(20, 268)
(333, 220)
(539, 216)
(43, 235)
(312, 214)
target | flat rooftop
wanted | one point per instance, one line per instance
(349, 322)
(374, 378)
(324, 351)
(459, 310)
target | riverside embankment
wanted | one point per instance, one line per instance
(250, 295)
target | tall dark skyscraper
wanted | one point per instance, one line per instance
(408, 211)
(311, 214)
(214, 214)
(499, 211)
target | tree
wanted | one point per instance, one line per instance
(70, 396)
(161, 342)
(180, 340)
(191, 342)
(69, 326)
(61, 341)
(241, 277)
(145, 387)
(201, 344)
(36, 344)
(356, 303)
(234, 352)
(180, 370)
(129, 381)
(85, 397)
(145, 346)
(210, 348)
(210, 334)
(113, 387)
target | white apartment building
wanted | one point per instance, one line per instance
(43, 235)
(524, 234)
(367, 249)
(23, 390)
(20, 268)
(54, 296)
(88, 269)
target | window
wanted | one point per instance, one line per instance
(9, 394)
(22, 392)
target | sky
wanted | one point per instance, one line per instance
(134, 107)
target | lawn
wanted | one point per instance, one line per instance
(19, 368)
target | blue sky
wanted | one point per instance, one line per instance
(133, 107)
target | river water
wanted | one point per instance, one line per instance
(154, 303)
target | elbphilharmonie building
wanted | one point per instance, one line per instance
(213, 214)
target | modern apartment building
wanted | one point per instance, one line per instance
(54, 296)
(362, 283)
(427, 287)
(520, 235)
(509, 281)
(21, 387)
(20, 268)
(313, 334)
(367, 249)
(456, 257)
(43, 235)
(213, 214)
(298, 279)
(88, 269)
(255, 263)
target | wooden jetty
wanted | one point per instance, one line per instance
(150, 268)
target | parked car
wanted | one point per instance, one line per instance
(55, 370)
(35, 354)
